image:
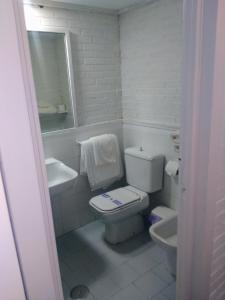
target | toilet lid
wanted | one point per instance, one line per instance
(114, 199)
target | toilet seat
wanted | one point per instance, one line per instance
(115, 200)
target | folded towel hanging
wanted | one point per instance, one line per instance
(105, 149)
(109, 170)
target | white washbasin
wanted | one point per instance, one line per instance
(60, 176)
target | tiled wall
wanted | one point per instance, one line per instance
(151, 89)
(96, 61)
(96, 58)
(150, 41)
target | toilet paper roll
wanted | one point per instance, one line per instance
(172, 168)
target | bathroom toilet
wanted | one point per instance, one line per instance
(120, 209)
(164, 233)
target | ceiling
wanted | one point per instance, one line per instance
(104, 4)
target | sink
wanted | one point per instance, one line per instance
(60, 176)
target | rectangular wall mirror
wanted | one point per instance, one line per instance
(53, 77)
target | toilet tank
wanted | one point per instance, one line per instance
(144, 169)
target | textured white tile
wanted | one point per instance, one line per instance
(149, 284)
(151, 62)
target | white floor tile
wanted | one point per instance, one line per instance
(163, 273)
(157, 253)
(149, 284)
(72, 278)
(142, 263)
(159, 297)
(131, 270)
(135, 246)
(123, 275)
(104, 288)
(74, 262)
(170, 291)
(129, 293)
(73, 242)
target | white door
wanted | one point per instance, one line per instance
(11, 285)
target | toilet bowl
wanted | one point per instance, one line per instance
(120, 209)
(164, 233)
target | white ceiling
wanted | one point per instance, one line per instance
(104, 4)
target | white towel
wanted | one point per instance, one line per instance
(99, 176)
(105, 149)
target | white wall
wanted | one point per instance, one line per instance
(151, 89)
(150, 41)
(96, 61)
(151, 49)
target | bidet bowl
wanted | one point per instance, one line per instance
(164, 233)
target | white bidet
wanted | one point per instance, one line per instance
(164, 233)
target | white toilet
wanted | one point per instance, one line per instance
(164, 233)
(120, 209)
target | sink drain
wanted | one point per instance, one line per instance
(79, 292)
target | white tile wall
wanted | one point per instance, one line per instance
(151, 88)
(151, 41)
(96, 58)
(96, 61)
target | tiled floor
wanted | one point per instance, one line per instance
(133, 270)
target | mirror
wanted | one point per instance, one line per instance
(53, 78)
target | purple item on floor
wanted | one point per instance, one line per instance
(154, 218)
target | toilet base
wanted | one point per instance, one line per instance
(123, 230)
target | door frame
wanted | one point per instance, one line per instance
(22, 160)
(200, 17)
(9, 264)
